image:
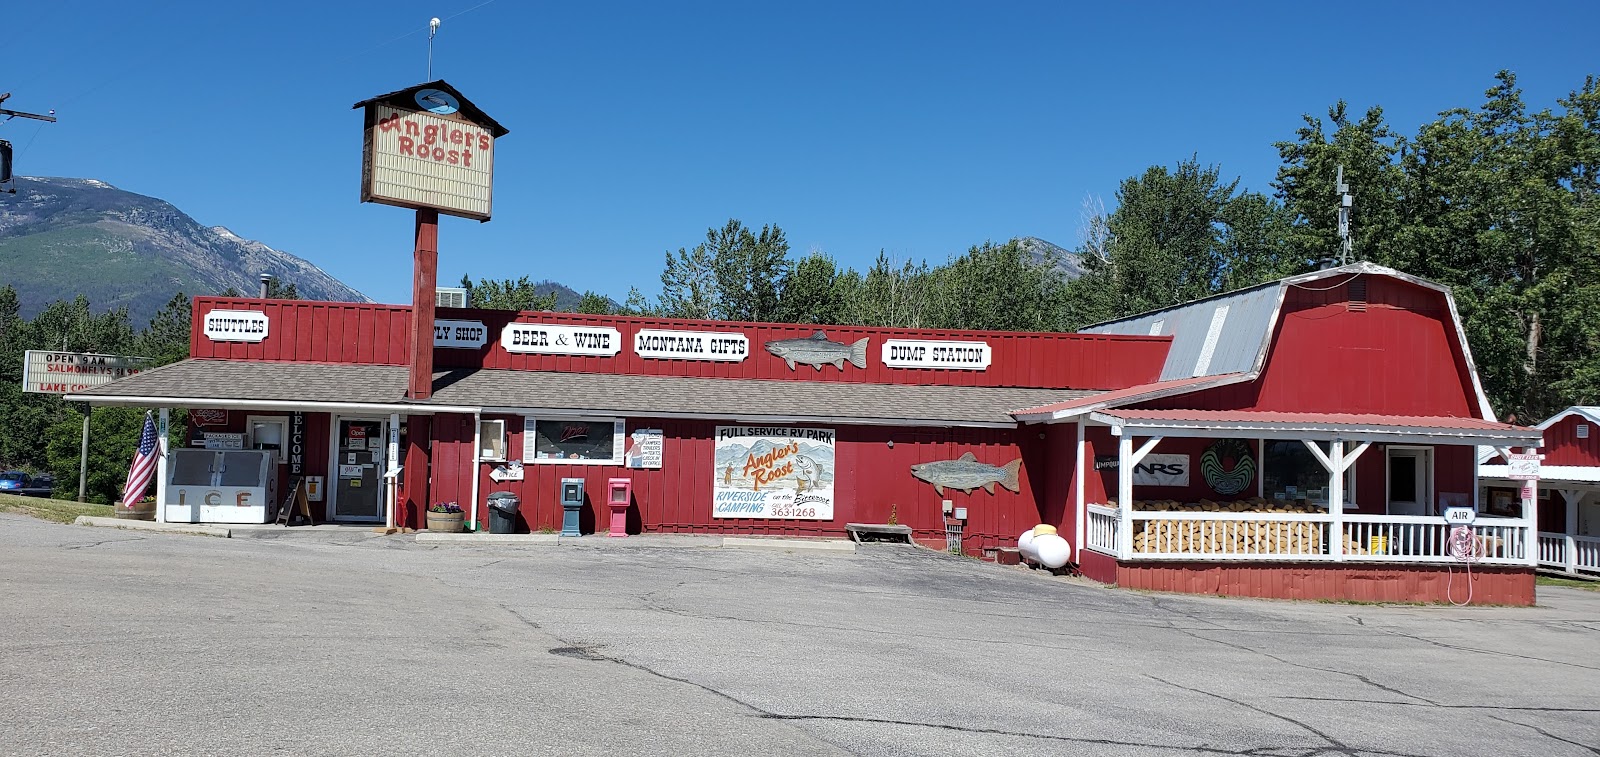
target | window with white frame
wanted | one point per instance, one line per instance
(492, 440)
(1291, 472)
(573, 441)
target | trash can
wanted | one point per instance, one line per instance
(503, 512)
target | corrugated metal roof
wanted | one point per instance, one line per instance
(1211, 337)
(220, 381)
(1339, 419)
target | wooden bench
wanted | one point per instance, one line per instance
(864, 532)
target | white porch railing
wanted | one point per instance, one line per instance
(1420, 538)
(1297, 537)
(1101, 533)
(1229, 536)
(1573, 554)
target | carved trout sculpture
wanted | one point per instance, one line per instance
(817, 350)
(966, 473)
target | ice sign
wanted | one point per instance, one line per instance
(1460, 516)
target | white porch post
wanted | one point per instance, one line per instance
(161, 465)
(1336, 462)
(1082, 509)
(1574, 497)
(1127, 457)
(1336, 500)
(1530, 515)
(1124, 492)
(393, 473)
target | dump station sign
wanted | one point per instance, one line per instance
(775, 473)
(47, 372)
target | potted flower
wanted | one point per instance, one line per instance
(144, 509)
(444, 517)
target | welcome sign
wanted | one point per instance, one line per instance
(776, 473)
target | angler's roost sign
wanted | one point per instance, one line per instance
(429, 147)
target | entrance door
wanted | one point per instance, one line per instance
(358, 467)
(1410, 481)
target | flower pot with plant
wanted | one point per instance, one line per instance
(144, 509)
(444, 517)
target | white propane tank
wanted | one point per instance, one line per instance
(1025, 545)
(1052, 550)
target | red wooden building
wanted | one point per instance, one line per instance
(1186, 449)
(1569, 480)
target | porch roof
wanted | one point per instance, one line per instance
(1549, 474)
(1139, 393)
(378, 388)
(1349, 426)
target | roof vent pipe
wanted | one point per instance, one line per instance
(266, 280)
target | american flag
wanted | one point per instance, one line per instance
(144, 464)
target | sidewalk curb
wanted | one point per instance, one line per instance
(467, 539)
(789, 545)
(190, 529)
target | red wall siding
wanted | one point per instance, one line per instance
(307, 331)
(872, 480)
(1390, 583)
(1398, 357)
(1563, 447)
(332, 332)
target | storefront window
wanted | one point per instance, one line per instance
(1292, 473)
(572, 440)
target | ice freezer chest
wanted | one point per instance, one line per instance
(221, 486)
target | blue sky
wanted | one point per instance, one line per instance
(917, 128)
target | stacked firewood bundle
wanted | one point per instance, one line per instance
(1231, 537)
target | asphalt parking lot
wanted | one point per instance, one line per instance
(116, 642)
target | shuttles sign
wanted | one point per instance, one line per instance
(236, 326)
(926, 353)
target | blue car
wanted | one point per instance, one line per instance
(12, 480)
(17, 482)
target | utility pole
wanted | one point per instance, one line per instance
(5, 147)
(1346, 201)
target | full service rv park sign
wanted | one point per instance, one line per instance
(48, 372)
(776, 473)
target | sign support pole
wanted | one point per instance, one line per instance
(83, 456)
(424, 276)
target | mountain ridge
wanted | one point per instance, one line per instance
(61, 237)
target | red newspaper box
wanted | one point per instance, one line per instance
(620, 496)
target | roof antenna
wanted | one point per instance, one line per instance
(1346, 201)
(433, 28)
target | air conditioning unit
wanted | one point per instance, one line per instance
(449, 297)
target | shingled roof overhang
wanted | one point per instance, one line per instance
(381, 389)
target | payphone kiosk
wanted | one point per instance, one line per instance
(571, 506)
